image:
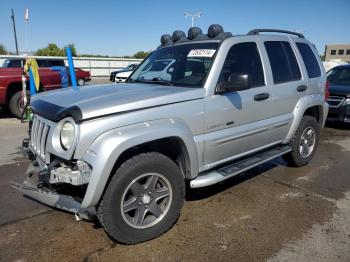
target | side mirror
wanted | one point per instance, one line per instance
(235, 82)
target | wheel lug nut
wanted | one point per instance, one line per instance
(150, 192)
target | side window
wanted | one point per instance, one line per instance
(55, 63)
(283, 62)
(310, 61)
(41, 63)
(244, 58)
(14, 64)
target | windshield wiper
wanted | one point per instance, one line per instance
(132, 81)
(161, 81)
(155, 80)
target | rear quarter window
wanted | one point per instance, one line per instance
(283, 62)
(310, 61)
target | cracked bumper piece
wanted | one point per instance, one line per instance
(51, 198)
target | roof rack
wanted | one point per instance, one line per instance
(257, 31)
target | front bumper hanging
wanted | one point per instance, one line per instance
(49, 197)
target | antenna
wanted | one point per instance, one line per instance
(193, 16)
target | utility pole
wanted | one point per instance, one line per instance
(14, 31)
(26, 19)
(193, 16)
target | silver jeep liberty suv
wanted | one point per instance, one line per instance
(200, 109)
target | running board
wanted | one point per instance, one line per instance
(237, 167)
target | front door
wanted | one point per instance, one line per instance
(238, 122)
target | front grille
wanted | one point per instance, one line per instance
(335, 101)
(40, 131)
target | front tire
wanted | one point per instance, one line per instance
(143, 199)
(16, 103)
(304, 143)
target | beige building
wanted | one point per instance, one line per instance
(338, 52)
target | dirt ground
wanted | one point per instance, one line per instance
(273, 212)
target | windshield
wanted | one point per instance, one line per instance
(180, 65)
(339, 75)
(131, 67)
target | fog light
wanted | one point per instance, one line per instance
(347, 110)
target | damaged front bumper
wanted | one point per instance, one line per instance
(37, 187)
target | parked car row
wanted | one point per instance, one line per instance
(122, 74)
(339, 93)
(11, 80)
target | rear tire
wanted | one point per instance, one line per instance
(16, 104)
(149, 184)
(304, 143)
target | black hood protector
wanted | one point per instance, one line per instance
(54, 112)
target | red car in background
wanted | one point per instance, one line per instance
(11, 80)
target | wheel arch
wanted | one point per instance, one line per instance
(114, 147)
(173, 147)
(12, 88)
(311, 105)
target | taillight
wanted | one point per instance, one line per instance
(326, 93)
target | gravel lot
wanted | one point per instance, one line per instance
(272, 212)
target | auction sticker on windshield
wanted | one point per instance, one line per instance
(201, 53)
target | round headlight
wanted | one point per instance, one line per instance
(67, 135)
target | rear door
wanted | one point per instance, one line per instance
(313, 66)
(288, 82)
(49, 78)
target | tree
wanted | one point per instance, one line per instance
(3, 50)
(72, 47)
(53, 50)
(142, 54)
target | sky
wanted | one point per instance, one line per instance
(118, 28)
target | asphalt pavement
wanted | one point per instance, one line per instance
(270, 213)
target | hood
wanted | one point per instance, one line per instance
(339, 90)
(100, 100)
(124, 74)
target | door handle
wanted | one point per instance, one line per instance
(261, 96)
(301, 88)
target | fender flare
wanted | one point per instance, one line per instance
(106, 149)
(302, 105)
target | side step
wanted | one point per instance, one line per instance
(237, 167)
